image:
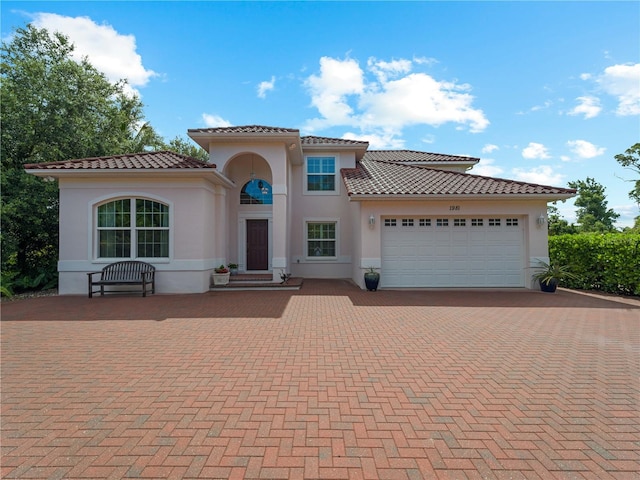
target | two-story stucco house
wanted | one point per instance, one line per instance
(273, 201)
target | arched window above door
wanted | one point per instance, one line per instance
(256, 192)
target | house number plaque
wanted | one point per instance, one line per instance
(454, 207)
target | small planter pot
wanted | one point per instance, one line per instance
(233, 271)
(220, 278)
(549, 287)
(371, 280)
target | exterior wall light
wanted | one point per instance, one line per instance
(541, 220)
(372, 220)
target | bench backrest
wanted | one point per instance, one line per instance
(130, 270)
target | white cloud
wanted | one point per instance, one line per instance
(389, 98)
(425, 60)
(378, 141)
(623, 82)
(588, 106)
(265, 87)
(489, 147)
(420, 99)
(544, 106)
(110, 52)
(384, 70)
(330, 89)
(584, 149)
(486, 168)
(535, 151)
(543, 175)
(214, 121)
(428, 139)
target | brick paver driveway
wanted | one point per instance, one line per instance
(327, 382)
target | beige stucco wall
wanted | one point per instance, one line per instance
(291, 207)
(319, 207)
(195, 238)
(207, 220)
(267, 160)
(536, 245)
(238, 169)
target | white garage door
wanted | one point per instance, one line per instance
(452, 252)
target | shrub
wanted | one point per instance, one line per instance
(607, 262)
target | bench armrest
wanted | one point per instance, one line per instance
(90, 274)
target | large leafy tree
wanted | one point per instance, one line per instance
(631, 159)
(593, 214)
(185, 147)
(557, 224)
(53, 108)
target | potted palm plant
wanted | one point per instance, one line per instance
(220, 275)
(371, 279)
(550, 274)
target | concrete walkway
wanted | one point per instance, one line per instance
(329, 382)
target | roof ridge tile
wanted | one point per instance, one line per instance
(244, 129)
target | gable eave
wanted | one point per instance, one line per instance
(549, 197)
(211, 175)
(204, 137)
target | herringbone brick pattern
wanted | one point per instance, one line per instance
(328, 382)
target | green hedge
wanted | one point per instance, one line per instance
(607, 262)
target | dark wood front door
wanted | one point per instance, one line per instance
(257, 245)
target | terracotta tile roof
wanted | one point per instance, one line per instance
(383, 178)
(244, 129)
(408, 156)
(312, 140)
(134, 161)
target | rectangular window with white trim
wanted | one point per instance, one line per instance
(321, 239)
(321, 175)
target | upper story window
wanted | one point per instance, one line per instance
(321, 174)
(133, 228)
(256, 192)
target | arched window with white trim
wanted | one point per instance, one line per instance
(256, 192)
(133, 228)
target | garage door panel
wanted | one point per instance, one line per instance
(459, 250)
(425, 251)
(441, 250)
(453, 256)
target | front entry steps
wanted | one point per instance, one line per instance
(250, 281)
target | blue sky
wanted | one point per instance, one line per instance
(546, 92)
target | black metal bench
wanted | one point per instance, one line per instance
(131, 272)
